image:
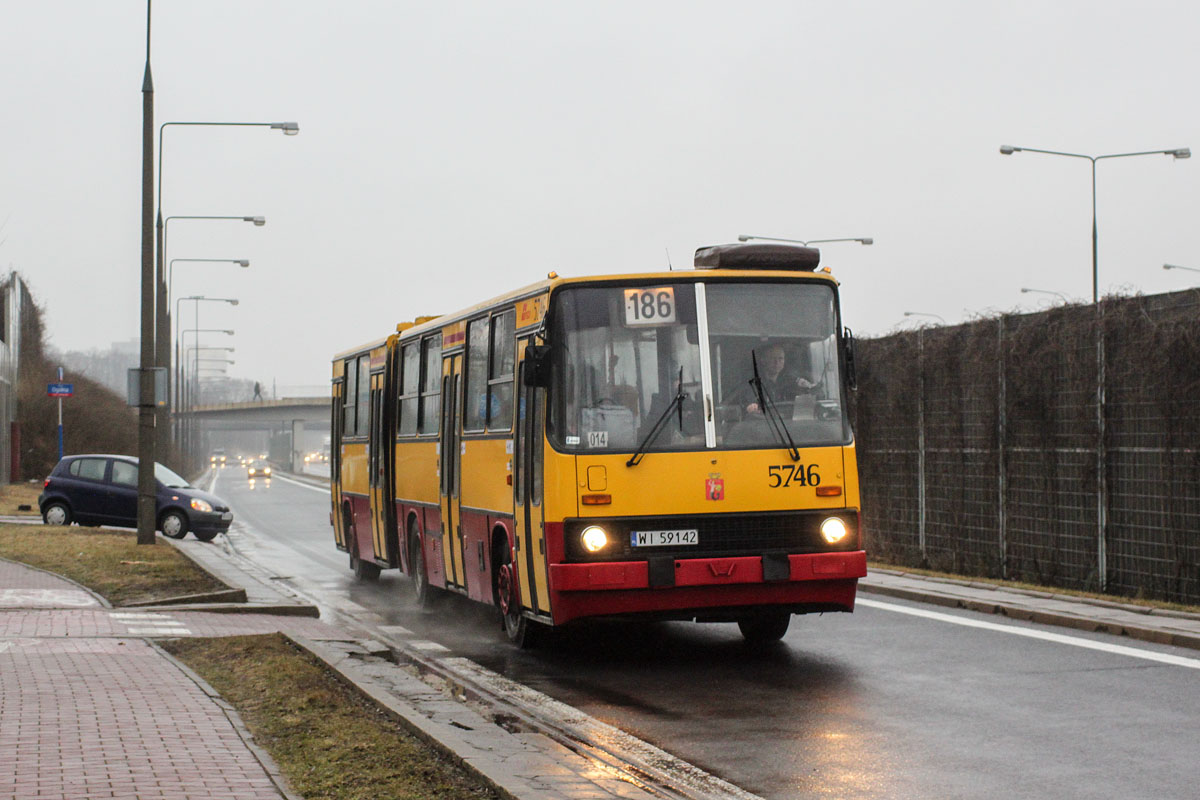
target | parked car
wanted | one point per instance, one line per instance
(258, 469)
(103, 490)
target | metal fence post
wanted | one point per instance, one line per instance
(1101, 459)
(1001, 433)
(921, 442)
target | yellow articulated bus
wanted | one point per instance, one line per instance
(657, 445)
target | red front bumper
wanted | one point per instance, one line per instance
(820, 580)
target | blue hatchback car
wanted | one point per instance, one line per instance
(103, 490)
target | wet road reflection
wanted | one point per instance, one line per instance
(873, 704)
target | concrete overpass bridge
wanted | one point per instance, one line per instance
(287, 427)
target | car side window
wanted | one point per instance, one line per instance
(124, 473)
(89, 469)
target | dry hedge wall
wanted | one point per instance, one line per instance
(986, 448)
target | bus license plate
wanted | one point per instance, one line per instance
(664, 538)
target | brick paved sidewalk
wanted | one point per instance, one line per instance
(89, 711)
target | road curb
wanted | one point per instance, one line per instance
(1147, 633)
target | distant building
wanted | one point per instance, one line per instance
(12, 295)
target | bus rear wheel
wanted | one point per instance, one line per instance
(363, 570)
(765, 627)
(521, 631)
(416, 566)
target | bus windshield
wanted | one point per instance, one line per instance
(624, 354)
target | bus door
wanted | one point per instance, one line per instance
(376, 452)
(527, 492)
(335, 461)
(450, 467)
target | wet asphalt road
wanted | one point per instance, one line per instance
(875, 704)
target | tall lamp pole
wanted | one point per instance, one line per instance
(146, 522)
(1101, 455)
(161, 324)
(1176, 153)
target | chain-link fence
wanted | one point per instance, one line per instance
(1030, 448)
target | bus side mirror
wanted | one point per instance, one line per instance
(851, 369)
(537, 365)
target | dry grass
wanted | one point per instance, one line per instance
(328, 741)
(111, 563)
(1000, 583)
(17, 494)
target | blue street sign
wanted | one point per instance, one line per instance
(60, 389)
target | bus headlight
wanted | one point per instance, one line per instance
(594, 539)
(834, 530)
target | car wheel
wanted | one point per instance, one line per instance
(207, 536)
(56, 513)
(173, 524)
(416, 567)
(520, 630)
(765, 628)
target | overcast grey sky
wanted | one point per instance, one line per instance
(451, 151)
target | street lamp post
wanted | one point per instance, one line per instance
(196, 298)
(925, 314)
(745, 237)
(1101, 454)
(146, 505)
(162, 349)
(1176, 153)
(1060, 295)
(193, 392)
(1177, 266)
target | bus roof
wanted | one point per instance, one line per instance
(772, 272)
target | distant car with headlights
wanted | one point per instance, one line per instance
(258, 469)
(97, 489)
(217, 458)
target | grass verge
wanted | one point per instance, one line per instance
(1001, 583)
(110, 563)
(329, 742)
(14, 495)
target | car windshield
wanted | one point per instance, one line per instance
(625, 355)
(168, 478)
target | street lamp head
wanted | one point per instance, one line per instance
(1008, 149)
(1183, 152)
(228, 332)
(288, 128)
(867, 240)
(233, 302)
(742, 237)
(242, 262)
(258, 221)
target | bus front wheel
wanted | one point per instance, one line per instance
(764, 628)
(520, 630)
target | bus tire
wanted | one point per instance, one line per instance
(765, 627)
(418, 578)
(363, 570)
(520, 630)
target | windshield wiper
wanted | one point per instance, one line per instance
(771, 412)
(675, 404)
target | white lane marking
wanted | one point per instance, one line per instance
(322, 490)
(134, 615)
(158, 632)
(1029, 633)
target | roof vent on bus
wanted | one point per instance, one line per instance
(403, 326)
(758, 256)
